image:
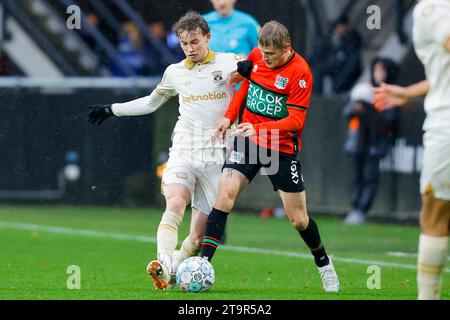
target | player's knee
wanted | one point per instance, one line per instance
(300, 223)
(431, 226)
(435, 229)
(225, 200)
(434, 217)
(176, 203)
(230, 194)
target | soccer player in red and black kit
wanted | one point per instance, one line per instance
(276, 91)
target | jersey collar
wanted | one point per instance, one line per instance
(209, 57)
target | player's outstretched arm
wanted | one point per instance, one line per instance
(389, 95)
(145, 105)
(141, 106)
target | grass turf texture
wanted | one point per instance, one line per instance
(33, 264)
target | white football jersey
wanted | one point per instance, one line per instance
(204, 93)
(431, 29)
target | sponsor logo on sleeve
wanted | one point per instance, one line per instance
(302, 83)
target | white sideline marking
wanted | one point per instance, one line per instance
(121, 236)
(405, 254)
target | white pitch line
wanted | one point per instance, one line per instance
(405, 254)
(122, 236)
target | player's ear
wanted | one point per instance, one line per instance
(208, 37)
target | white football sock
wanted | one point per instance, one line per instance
(431, 260)
(167, 237)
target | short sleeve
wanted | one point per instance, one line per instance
(432, 21)
(300, 91)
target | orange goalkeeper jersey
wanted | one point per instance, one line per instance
(276, 100)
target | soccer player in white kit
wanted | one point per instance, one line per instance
(204, 83)
(431, 36)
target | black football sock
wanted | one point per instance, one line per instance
(215, 228)
(311, 237)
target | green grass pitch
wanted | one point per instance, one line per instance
(112, 247)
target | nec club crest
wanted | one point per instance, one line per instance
(280, 82)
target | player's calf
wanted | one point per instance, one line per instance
(215, 227)
(435, 215)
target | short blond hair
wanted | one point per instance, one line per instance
(274, 34)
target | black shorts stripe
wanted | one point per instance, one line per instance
(287, 171)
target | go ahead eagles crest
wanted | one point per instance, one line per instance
(217, 76)
(280, 82)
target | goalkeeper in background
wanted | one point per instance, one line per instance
(204, 85)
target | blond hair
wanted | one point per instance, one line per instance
(274, 34)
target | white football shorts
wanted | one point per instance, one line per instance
(200, 177)
(436, 163)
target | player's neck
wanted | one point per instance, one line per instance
(285, 58)
(206, 56)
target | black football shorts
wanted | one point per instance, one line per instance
(283, 170)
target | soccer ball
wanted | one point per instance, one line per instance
(195, 274)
